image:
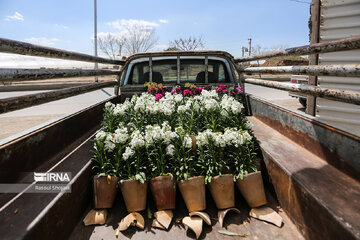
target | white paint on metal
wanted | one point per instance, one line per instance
(339, 19)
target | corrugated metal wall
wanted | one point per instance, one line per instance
(339, 19)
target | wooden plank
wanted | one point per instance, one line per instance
(347, 96)
(15, 75)
(23, 48)
(323, 47)
(14, 103)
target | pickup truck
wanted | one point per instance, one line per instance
(310, 169)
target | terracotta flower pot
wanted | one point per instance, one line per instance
(163, 192)
(222, 191)
(252, 188)
(134, 194)
(105, 191)
(193, 193)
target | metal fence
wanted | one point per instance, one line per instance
(15, 75)
(11, 46)
(350, 70)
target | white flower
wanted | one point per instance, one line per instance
(170, 149)
(219, 140)
(248, 125)
(120, 109)
(137, 140)
(109, 106)
(182, 109)
(178, 97)
(209, 94)
(233, 137)
(247, 137)
(109, 143)
(211, 104)
(188, 142)
(203, 138)
(121, 135)
(100, 135)
(236, 107)
(128, 153)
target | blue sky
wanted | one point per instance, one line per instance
(224, 25)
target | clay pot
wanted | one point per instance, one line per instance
(193, 193)
(222, 191)
(105, 188)
(134, 194)
(163, 191)
(252, 188)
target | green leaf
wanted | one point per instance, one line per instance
(225, 232)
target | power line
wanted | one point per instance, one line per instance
(299, 1)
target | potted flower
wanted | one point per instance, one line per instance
(188, 172)
(159, 149)
(105, 179)
(211, 155)
(133, 182)
(248, 178)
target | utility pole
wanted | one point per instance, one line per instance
(249, 46)
(242, 51)
(95, 37)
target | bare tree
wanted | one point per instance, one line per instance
(139, 39)
(190, 44)
(112, 45)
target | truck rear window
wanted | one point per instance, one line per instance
(193, 71)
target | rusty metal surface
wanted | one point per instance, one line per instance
(348, 70)
(22, 48)
(12, 75)
(324, 47)
(14, 103)
(334, 146)
(30, 151)
(180, 53)
(321, 200)
(51, 216)
(347, 96)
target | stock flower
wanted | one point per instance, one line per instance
(121, 135)
(211, 104)
(188, 141)
(158, 97)
(247, 137)
(137, 139)
(187, 93)
(248, 125)
(170, 149)
(237, 90)
(198, 90)
(100, 135)
(128, 153)
(109, 143)
(120, 109)
(109, 106)
(178, 98)
(222, 86)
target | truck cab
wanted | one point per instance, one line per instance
(171, 68)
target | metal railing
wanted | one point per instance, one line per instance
(16, 75)
(349, 70)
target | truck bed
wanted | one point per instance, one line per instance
(233, 222)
